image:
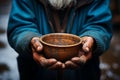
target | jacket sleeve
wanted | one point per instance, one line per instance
(22, 26)
(98, 25)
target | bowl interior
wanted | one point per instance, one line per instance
(60, 39)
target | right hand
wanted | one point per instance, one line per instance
(37, 48)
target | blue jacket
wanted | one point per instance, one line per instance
(28, 19)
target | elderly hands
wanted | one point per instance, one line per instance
(84, 55)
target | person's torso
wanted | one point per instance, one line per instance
(73, 26)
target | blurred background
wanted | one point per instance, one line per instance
(110, 60)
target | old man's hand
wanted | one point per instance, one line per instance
(84, 55)
(40, 59)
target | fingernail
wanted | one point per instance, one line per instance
(38, 48)
(87, 49)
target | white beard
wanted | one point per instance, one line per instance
(58, 4)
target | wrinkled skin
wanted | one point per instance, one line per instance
(84, 55)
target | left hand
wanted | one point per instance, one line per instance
(84, 55)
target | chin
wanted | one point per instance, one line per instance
(59, 4)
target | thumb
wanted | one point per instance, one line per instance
(36, 44)
(88, 44)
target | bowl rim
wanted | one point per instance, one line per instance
(52, 45)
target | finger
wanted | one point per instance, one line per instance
(88, 55)
(88, 44)
(43, 61)
(84, 58)
(36, 44)
(70, 65)
(56, 66)
(79, 60)
(49, 62)
(37, 56)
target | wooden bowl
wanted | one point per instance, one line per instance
(61, 46)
